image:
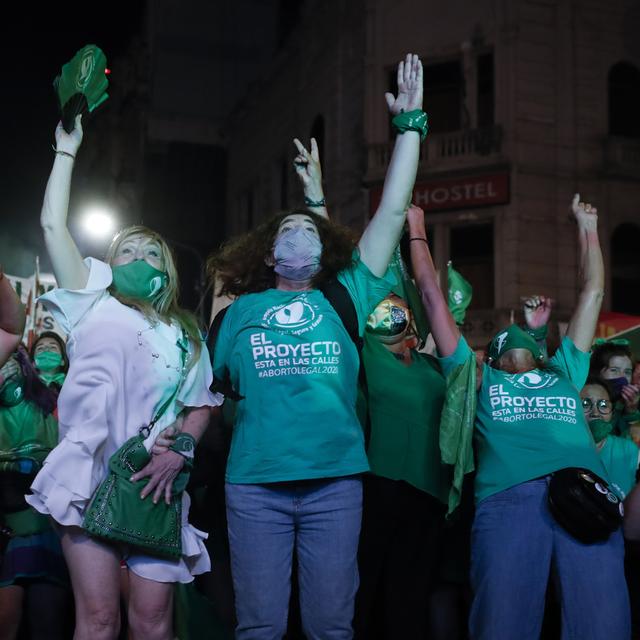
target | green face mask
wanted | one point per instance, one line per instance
(600, 428)
(48, 361)
(138, 279)
(388, 319)
(11, 391)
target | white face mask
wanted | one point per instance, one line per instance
(297, 254)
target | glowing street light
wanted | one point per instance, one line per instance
(98, 222)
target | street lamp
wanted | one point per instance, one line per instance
(98, 222)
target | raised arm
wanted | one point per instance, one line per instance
(443, 327)
(12, 318)
(381, 236)
(309, 170)
(582, 325)
(68, 267)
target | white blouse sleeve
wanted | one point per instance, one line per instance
(195, 390)
(70, 306)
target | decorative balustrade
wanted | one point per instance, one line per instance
(456, 149)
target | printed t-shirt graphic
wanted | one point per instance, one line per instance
(289, 355)
(530, 424)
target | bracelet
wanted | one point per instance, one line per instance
(185, 445)
(416, 120)
(421, 240)
(314, 203)
(63, 153)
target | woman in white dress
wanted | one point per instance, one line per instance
(127, 337)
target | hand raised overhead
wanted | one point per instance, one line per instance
(409, 86)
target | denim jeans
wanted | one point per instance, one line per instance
(515, 543)
(321, 519)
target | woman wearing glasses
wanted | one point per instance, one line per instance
(620, 456)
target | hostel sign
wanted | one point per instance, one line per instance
(455, 193)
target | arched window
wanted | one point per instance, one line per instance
(624, 100)
(625, 269)
(317, 132)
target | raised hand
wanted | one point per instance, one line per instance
(585, 215)
(631, 396)
(307, 165)
(409, 86)
(69, 142)
(537, 310)
(415, 220)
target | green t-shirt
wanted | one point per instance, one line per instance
(25, 433)
(620, 458)
(405, 404)
(530, 424)
(289, 355)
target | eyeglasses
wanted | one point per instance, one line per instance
(604, 407)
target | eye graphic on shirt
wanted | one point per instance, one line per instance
(291, 316)
(532, 380)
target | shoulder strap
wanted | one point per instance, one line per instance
(338, 297)
(223, 386)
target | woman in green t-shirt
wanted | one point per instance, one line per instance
(620, 456)
(34, 585)
(297, 451)
(529, 423)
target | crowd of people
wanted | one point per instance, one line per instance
(372, 488)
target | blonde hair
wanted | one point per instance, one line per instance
(164, 305)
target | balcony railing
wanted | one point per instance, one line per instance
(456, 149)
(622, 157)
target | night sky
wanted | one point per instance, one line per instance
(36, 41)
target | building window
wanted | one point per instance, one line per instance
(485, 90)
(624, 100)
(625, 269)
(471, 251)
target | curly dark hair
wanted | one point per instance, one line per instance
(601, 355)
(240, 263)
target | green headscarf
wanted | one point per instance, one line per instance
(513, 337)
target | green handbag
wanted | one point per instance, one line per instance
(117, 514)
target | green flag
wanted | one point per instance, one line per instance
(82, 84)
(406, 289)
(459, 294)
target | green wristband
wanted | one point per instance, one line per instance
(538, 334)
(634, 416)
(184, 444)
(416, 120)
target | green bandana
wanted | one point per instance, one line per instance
(138, 279)
(513, 337)
(11, 391)
(388, 319)
(600, 428)
(48, 361)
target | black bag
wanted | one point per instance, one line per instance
(584, 505)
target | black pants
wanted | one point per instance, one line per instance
(398, 559)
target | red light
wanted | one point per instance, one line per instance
(107, 72)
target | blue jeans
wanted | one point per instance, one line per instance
(514, 544)
(321, 519)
